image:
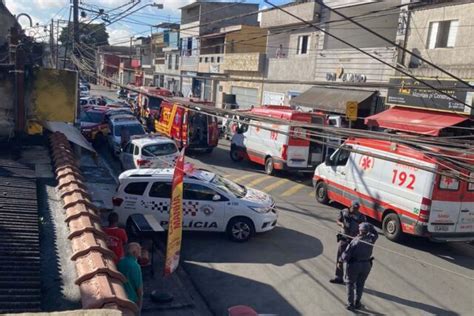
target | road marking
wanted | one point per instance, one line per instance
(244, 177)
(274, 185)
(257, 181)
(293, 189)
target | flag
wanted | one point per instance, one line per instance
(175, 223)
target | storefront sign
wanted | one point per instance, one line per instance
(424, 97)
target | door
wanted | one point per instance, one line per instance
(126, 157)
(446, 205)
(466, 216)
(245, 97)
(158, 202)
(337, 173)
(203, 208)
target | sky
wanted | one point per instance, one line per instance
(42, 11)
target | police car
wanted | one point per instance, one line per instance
(149, 151)
(210, 202)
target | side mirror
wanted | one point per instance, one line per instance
(327, 160)
(216, 197)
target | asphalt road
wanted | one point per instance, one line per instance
(286, 271)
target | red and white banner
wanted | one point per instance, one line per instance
(175, 224)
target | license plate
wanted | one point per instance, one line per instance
(441, 228)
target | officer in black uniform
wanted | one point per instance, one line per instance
(358, 259)
(349, 220)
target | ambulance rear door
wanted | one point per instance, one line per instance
(465, 222)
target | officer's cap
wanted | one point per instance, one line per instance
(355, 204)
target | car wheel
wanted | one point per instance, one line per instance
(269, 168)
(392, 227)
(240, 229)
(130, 228)
(322, 193)
(236, 154)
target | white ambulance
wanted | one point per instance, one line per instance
(404, 199)
(281, 147)
(210, 202)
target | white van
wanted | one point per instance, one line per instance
(404, 199)
(280, 147)
(210, 202)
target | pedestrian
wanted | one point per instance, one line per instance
(349, 220)
(124, 136)
(237, 141)
(116, 236)
(132, 271)
(359, 260)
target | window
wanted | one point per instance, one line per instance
(303, 45)
(212, 59)
(176, 62)
(448, 183)
(159, 150)
(169, 61)
(136, 188)
(442, 34)
(160, 190)
(128, 149)
(136, 150)
(194, 191)
(340, 157)
(206, 59)
(200, 59)
(470, 185)
(218, 60)
(135, 129)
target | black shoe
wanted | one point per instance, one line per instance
(337, 281)
(358, 305)
(350, 307)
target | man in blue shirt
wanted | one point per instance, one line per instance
(358, 258)
(132, 271)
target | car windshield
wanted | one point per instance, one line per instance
(93, 117)
(154, 103)
(236, 189)
(133, 129)
(159, 149)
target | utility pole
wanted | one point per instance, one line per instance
(51, 43)
(75, 12)
(57, 44)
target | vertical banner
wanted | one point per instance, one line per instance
(175, 224)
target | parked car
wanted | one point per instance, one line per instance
(116, 124)
(83, 91)
(210, 202)
(122, 93)
(149, 151)
(87, 102)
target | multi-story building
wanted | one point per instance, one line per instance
(126, 73)
(167, 72)
(198, 19)
(142, 61)
(108, 60)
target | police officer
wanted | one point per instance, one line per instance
(349, 220)
(358, 258)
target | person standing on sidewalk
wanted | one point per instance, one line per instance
(359, 260)
(116, 236)
(349, 220)
(132, 271)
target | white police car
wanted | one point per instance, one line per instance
(210, 202)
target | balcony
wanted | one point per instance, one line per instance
(189, 63)
(307, 11)
(211, 63)
(244, 62)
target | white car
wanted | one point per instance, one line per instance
(83, 91)
(210, 202)
(149, 151)
(116, 124)
(87, 102)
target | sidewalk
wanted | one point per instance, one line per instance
(102, 183)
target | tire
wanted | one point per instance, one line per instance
(236, 155)
(269, 168)
(392, 227)
(321, 192)
(130, 228)
(240, 229)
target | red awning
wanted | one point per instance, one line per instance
(414, 120)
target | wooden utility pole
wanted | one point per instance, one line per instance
(75, 12)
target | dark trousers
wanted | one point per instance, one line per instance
(356, 274)
(343, 243)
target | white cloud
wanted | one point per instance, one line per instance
(120, 36)
(49, 4)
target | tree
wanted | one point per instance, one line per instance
(89, 34)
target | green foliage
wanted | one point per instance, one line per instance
(90, 34)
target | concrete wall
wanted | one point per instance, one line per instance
(7, 21)
(218, 11)
(7, 106)
(458, 59)
(249, 39)
(277, 18)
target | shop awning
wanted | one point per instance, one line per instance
(330, 99)
(414, 120)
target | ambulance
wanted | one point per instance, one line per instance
(188, 128)
(397, 193)
(278, 146)
(148, 104)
